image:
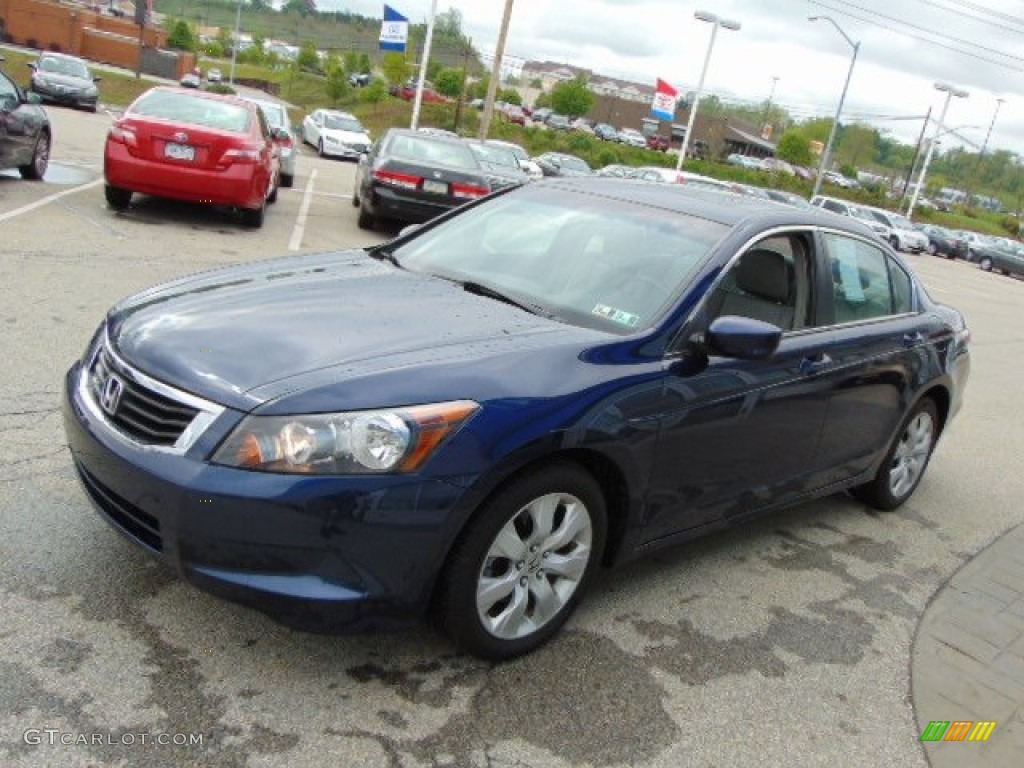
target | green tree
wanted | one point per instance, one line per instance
(478, 90)
(433, 68)
(352, 62)
(374, 93)
(308, 58)
(538, 83)
(794, 147)
(337, 85)
(365, 66)
(226, 40)
(510, 95)
(859, 144)
(572, 98)
(182, 37)
(396, 68)
(449, 82)
(301, 7)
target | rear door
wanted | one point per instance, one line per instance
(881, 339)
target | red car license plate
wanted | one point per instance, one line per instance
(180, 152)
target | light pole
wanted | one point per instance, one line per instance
(826, 153)
(950, 92)
(234, 43)
(768, 104)
(715, 24)
(981, 155)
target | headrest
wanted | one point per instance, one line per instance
(765, 274)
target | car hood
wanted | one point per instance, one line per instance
(247, 335)
(68, 81)
(346, 137)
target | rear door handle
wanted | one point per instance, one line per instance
(912, 339)
(814, 363)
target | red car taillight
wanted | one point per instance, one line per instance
(284, 141)
(241, 155)
(122, 134)
(400, 180)
(469, 191)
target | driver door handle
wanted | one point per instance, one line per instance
(814, 363)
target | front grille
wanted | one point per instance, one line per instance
(144, 415)
(140, 525)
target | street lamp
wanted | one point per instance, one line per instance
(234, 45)
(716, 23)
(950, 92)
(827, 152)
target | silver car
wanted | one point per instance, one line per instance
(277, 118)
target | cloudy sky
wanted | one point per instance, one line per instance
(906, 46)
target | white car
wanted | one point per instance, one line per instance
(214, 76)
(335, 134)
(633, 137)
(532, 169)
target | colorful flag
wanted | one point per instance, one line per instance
(394, 32)
(664, 106)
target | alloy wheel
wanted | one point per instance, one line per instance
(534, 565)
(911, 456)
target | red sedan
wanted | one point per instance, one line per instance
(194, 146)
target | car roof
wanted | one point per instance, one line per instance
(706, 203)
(196, 94)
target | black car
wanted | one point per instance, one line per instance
(501, 166)
(62, 79)
(944, 242)
(561, 164)
(412, 176)
(470, 420)
(25, 133)
(1004, 257)
(606, 132)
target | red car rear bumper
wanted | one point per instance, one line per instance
(240, 184)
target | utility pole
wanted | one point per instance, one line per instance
(981, 155)
(492, 86)
(462, 91)
(917, 152)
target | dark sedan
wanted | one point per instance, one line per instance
(471, 419)
(561, 164)
(25, 133)
(412, 176)
(62, 79)
(1005, 258)
(945, 242)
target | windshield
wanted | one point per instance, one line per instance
(515, 149)
(495, 155)
(341, 123)
(587, 260)
(179, 106)
(71, 67)
(573, 162)
(900, 222)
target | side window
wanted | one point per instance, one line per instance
(861, 280)
(902, 290)
(8, 93)
(771, 282)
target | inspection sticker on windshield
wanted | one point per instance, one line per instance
(616, 315)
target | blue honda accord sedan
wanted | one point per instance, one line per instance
(468, 421)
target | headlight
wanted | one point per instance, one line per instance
(357, 442)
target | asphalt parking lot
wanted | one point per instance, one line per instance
(786, 642)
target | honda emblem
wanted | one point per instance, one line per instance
(110, 397)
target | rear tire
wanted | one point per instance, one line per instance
(320, 148)
(522, 565)
(931, 249)
(272, 197)
(905, 461)
(366, 220)
(36, 169)
(117, 198)
(253, 217)
(287, 180)
(985, 263)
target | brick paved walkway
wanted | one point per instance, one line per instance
(967, 662)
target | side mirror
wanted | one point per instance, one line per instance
(33, 98)
(743, 337)
(96, 79)
(408, 230)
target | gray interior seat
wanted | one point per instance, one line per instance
(761, 285)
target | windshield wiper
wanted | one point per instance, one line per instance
(484, 290)
(384, 254)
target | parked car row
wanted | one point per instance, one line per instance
(895, 229)
(413, 176)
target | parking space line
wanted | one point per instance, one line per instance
(300, 222)
(49, 199)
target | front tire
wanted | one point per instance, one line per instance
(931, 249)
(522, 565)
(36, 169)
(905, 461)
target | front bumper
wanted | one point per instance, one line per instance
(69, 97)
(344, 150)
(314, 552)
